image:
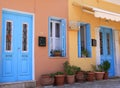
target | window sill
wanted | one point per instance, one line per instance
(84, 57)
(58, 57)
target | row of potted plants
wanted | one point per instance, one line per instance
(73, 73)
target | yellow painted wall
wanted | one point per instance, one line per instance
(76, 14)
(99, 4)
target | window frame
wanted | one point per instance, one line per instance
(27, 37)
(11, 35)
(88, 40)
(54, 32)
(84, 36)
(62, 34)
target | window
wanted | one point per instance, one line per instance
(8, 36)
(57, 37)
(83, 37)
(108, 43)
(24, 37)
(57, 30)
(84, 41)
(101, 43)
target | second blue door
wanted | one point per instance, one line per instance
(16, 47)
(106, 47)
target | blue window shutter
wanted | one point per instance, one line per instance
(88, 39)
(63, 28)
(49, 20)
(79, 44)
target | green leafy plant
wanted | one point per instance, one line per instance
(66, 65)
(56, 52)
(59, 73)
(106, 65)
(70, 70)
(84, 52)
(52, 75)
(98, 68)
(76, 69)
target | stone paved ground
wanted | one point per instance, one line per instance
(111, 83)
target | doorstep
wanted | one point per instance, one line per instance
(23, 84)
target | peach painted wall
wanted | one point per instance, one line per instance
(57, 8)
(42, 10)
(76, 14)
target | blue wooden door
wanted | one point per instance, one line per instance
(106, 48)
(16, 47)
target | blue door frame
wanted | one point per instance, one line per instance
(16, 64)
(106, 48)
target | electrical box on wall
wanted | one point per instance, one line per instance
(74, 25)
(94, 43)
(41, 41)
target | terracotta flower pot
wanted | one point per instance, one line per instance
(57, 53)
(80, 76)
(99, 75)
(105, 75)
(70, 79)
(46, 80)
(90, 76)
(59, 80)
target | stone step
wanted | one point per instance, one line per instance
(26, 84)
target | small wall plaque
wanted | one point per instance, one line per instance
(41, 41)
(94, 43)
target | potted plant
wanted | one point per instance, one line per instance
(70, 72)
(106, 67)
(59, 78)
(90, 76)
(84, 53)
(79, 75)
(99, 72)
(56, 52)
(47, 79)
(70, 75)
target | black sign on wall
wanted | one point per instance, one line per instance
(41, 41)
(94, 43)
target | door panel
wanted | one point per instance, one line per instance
(106, 47)
(25, 55)
(8, 68)
(16, 63)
